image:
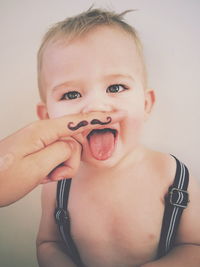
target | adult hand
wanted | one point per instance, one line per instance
(43, 151)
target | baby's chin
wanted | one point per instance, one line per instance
(92, 162)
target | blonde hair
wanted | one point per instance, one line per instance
(73, 27)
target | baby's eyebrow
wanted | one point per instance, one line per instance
(106, 77)
(119, 76)
(64, 85)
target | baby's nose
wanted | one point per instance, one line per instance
(97, 104)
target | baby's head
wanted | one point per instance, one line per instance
(93, 63)
(79, 26)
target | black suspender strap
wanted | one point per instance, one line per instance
(63, 219)
(175, 201)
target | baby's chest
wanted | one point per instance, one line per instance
(116, 229)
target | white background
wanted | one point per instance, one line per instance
(169, 30)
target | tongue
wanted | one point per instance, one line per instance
(102, 145)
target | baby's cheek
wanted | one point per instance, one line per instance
(132, 127)
(136, 115)
(136, 125)
(56, 110)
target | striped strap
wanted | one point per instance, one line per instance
(176, 200)
(63, 220)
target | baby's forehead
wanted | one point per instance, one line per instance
(103, 50)
(100, 45)
(107, 40)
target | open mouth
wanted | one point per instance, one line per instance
(102, 131)
(102, 143)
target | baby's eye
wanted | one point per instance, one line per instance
(71, 95)
(116, 88)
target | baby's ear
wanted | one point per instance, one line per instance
(42, 111)
(149, 102)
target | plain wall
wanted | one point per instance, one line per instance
(169, 30)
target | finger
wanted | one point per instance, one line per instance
(44, 161)
(54, 129)
(40, 134)
(88, 121)
(70, 167)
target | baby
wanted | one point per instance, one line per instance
(125, 204)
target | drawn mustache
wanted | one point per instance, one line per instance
(85, 123)
(76, 127)
(95, 121)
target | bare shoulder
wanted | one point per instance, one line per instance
(164, 166)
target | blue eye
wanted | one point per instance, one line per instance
(116, 88)
(71, 95)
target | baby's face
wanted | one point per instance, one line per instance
(100, 71)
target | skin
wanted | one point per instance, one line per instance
(44, 147)
(6, 161)
(104, 194)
